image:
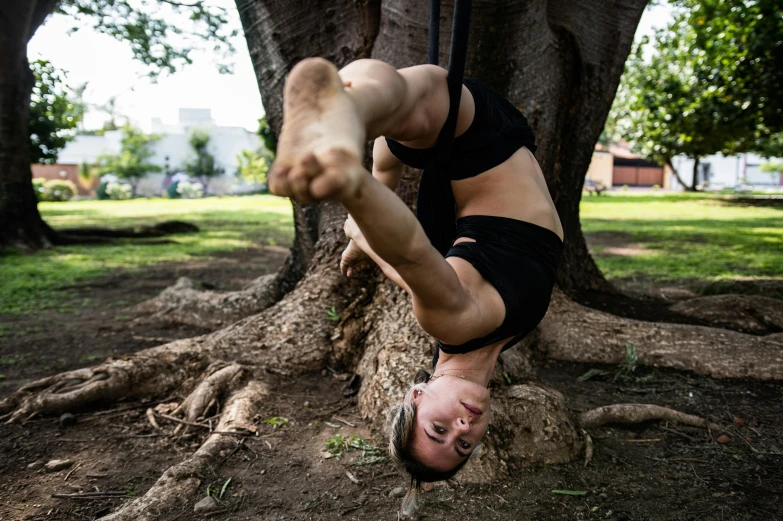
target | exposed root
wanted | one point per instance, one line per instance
(183, 303)
(179, 483)
(219, 378)
(630, 413)
(751, 313)
(576, 333)
(152, 372)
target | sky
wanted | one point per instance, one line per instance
(109, 69)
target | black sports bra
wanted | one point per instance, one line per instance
(497, 131)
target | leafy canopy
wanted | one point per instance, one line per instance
(707, 84)
(252, 165)
(162, 33)
(54, 113)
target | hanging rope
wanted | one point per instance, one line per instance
(434, 31)
(435, 206)
(457, 57)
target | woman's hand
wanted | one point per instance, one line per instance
(353, 256)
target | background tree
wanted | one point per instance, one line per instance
(252, 166)
(54, 113)
(132, 163)
(162, 35)
(705, 87)
(202, 166)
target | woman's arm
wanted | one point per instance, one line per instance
(386, 168)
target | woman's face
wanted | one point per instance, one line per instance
(452, 415)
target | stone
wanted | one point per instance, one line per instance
(208, 504)
(397, 492)
(58, 464)
(67, 419)
(35, 465)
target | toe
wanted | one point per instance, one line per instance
(298, 183)
(311, 166)
(277, 179)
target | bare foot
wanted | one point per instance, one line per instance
(322, 141)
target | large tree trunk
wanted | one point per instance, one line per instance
(20, 223)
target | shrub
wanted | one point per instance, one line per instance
(58, 190)
(100, 192)
(119, 191)
(656, 187)
(38, 187)
(172, 190)
(190, 190)
(625, 187)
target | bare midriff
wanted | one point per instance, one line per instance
(515, 189)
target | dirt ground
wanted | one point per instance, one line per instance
(653, 472)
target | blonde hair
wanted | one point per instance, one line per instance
(402, 426)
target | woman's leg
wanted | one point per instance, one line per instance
(319, 156)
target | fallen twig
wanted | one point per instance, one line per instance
(132, 407)
(647, 440)
(72, 471)
(678, 433)
(349, 424)
(93, 495)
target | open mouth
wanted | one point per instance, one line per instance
(472, 409)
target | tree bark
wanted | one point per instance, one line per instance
(20, 223)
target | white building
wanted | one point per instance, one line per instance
(720, 171)
(173, 148)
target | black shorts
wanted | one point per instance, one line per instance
(520, 260)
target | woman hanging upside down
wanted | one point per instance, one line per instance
(480, 279)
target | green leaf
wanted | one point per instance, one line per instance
(223, 489)
(570, 492)
(592, 373)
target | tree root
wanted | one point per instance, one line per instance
(149, 373)
(183, 303)
(178, 484)
(631, 413)
(219, 377)
(576, 333)
(749, 313)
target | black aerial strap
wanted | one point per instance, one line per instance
(457, 56)
(435, 203)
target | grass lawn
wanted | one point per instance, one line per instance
(665, 237)
(651, 237)
(33, 282)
